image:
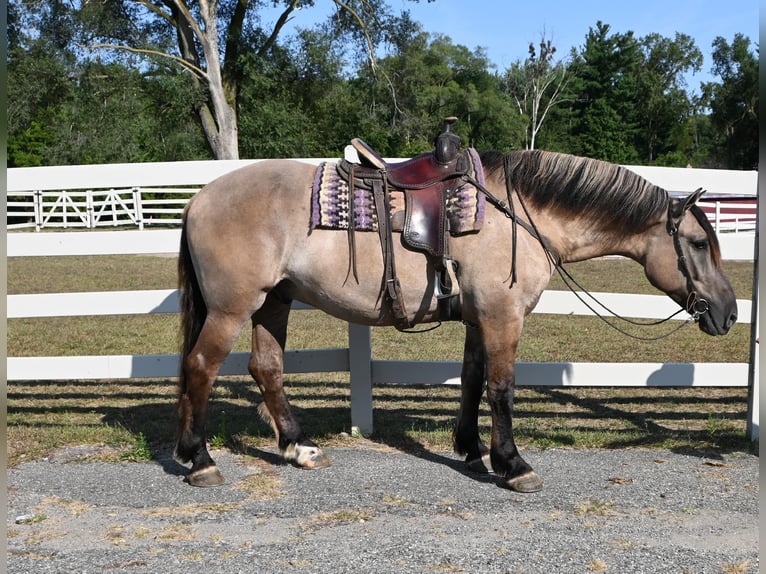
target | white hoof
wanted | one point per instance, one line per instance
(306, 456)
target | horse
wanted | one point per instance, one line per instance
(248, 250)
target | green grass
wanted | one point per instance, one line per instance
(138, 416)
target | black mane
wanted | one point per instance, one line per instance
(607, 194)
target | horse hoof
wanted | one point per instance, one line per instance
(318, 460)
(528, 482)
(209, 476)
(482, 465)
(306, 456)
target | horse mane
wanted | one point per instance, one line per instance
(608, 194)
(715, 246)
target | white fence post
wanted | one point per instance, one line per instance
(91, 224)
(753, 382)
(753, 399)
(138, 207)
(38, 207)
(717, 226)
(360, 375)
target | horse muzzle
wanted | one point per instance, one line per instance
(717, 321)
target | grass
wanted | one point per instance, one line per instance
(138, 417)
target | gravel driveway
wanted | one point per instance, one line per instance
(379, 510)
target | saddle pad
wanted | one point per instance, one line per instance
(330, 203)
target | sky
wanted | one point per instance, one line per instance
(506, 27)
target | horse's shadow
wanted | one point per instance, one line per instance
(228, 422)
(156, 422)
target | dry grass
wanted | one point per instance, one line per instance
(736, 567)
(132, 414)
(341, 516)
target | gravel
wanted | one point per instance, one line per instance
(379, 510)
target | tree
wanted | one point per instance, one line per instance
(606, 114)
(734, 101)
(536, 86)
(63, 109)
(209, 40)
(662, 100)
(430, 78)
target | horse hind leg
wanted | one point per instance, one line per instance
(199, 369)
(266, 366)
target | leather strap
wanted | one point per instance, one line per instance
(392, 290)
(351, 229)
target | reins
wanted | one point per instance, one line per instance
(695, 305)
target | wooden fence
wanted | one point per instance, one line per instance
(357, 357)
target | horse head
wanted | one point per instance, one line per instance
(684, 260)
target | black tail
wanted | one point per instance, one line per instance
(192, 305)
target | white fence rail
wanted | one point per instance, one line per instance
(142, 207)
(146, 194)
(154, 194)
(135, 207)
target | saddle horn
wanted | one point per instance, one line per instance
(447, 144)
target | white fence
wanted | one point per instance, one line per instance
(356, 358)
(731, 215)
(154, 194)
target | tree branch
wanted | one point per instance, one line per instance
(147, 52)
(184, 11)
(157, 10)
(234, 36)
(281, 21)
(363, 26)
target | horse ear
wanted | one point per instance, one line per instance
(693, 197)
(680, 205)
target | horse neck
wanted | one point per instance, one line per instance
(578, 239)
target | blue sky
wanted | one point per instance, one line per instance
(505, 27)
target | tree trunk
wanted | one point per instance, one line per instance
(218, 115)
(222, 132)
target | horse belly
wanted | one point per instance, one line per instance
(321, 274)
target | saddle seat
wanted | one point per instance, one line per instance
(420, 172)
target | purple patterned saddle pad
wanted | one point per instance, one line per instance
(330, 203)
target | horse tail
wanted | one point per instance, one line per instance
(192, 305)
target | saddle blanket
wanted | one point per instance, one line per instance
(330, 203)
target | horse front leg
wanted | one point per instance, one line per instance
(466, 439)
(514, 472)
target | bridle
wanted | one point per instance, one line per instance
(696, 306)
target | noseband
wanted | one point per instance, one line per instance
(696, 306)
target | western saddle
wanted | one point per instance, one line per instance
(426, 181)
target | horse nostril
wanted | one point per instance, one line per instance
(732, 319)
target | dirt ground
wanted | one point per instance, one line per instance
(379, 510)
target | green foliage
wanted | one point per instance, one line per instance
(662, 100)
(221, 438)
(624, 99)
(734, 102)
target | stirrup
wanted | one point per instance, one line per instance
(446, 284)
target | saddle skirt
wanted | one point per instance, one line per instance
(330, 202)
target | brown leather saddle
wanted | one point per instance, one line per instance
(425, 181)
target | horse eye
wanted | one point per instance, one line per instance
(700, 244)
